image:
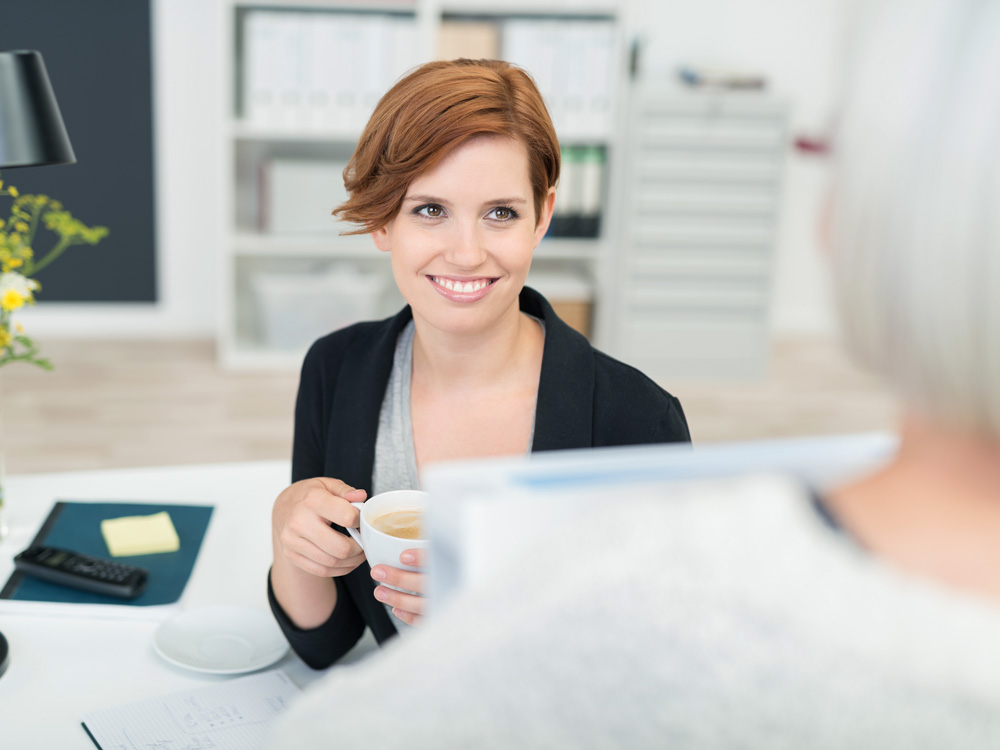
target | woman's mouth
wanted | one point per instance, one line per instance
(465, 290)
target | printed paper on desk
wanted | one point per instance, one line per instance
(231, 715)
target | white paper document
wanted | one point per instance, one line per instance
(231, 715)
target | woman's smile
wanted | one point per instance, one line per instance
(462, 289)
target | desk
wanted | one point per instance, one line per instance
(61, 667)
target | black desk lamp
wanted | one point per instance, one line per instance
(32, 134)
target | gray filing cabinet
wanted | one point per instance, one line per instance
(701, 197)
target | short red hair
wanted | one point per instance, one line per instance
(431, 112)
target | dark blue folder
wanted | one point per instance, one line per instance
(77, 526)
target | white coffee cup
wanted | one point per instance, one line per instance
(381, 548)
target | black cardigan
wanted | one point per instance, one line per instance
(585, 399)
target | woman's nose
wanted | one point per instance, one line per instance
(465, 248)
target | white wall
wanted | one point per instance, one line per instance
(796, 45)
(186, 115)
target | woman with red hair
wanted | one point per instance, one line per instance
(455, 177)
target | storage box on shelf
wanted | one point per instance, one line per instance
(295, 309)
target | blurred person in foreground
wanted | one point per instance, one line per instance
(754, 612)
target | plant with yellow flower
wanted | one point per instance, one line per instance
(19, 262)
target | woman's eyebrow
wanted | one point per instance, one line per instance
(424, 199)
(441, 201)
(505, 202)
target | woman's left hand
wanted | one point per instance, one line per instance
(407, 607)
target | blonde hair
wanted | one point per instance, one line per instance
(915, 213)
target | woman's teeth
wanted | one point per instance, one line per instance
(464, 287)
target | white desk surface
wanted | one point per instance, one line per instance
(62, 667)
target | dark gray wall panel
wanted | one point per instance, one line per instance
(98, 54)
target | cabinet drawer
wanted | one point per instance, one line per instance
(704, 200)
(706, 167)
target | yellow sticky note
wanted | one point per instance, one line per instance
(140, 535)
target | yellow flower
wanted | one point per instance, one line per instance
(5, 338)
(15, 263)
(13, 191)
(20, 328)
(21, 227)
(11, 300)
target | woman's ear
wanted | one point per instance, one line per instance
(543, 223)
(382, 239)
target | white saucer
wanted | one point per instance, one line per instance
(221, 639)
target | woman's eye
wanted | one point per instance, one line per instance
(503, 213)
(430, 210)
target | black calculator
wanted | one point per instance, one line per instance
(81, 571)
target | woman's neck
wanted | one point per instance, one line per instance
(452, 360)
(935, 509)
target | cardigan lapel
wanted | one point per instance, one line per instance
(357, 402)
(354, 414)
(564, 414)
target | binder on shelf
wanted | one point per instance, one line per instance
(76, 525)
(405, 56)
(571, 62)
(580, 193)
(476, 40)
(260, 74)
(320, 66)
(591, 180)
(320, 71)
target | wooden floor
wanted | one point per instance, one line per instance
(119, 404)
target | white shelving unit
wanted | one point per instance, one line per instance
(250, 141)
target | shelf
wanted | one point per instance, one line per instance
(251, 244)
(243, 131)
(319, 246)
(603, 9)
(341, 6)
(568, 248)
(244, 357)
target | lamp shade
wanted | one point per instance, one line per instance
(31, 129)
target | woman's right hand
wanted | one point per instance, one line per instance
(300, 522)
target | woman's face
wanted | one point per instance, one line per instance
(462, 241)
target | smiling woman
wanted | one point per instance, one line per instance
(455, 177)
(461, 246)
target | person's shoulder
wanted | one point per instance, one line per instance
(343, 338)
(614, 370)
(632, 408)
(330, 350)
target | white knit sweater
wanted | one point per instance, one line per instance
(728, 615)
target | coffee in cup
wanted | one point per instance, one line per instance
(405, 524)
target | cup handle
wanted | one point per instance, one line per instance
(354, 532)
